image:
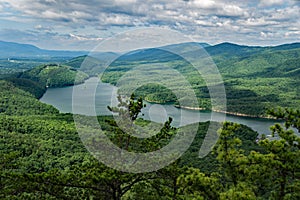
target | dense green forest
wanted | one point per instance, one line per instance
(54, 75)
(255, 78)
(36, 79)
(42, 157)
(15, 101)
(13, 65)
(88, 64)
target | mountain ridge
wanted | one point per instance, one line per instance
(13, 49)
(19, 50)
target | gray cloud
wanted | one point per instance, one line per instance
(271, 2)
(50, 40)
(249, 22)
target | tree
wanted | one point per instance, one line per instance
(273, 172)
(284, 154)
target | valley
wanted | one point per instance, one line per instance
(49, 153)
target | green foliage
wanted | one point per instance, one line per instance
(87, 64)
(197, 185)
(53, 75)
(11, 66)
(34, 88)
(14, 101)
(256, 78)
(209, 163)
(125, 135)
(42, 156)
(156, 93)
(271, 174)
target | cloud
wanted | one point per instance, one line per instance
(125, 2)
(82, 21)
(295, 33)
(266, 34)
(50, 40)
(143, 37)
(271, 2)
(43, 28)
(233, 10)
(205, 4)
(120, 12)
(118, 20)
(255, 22)
(289, 14)
(85, 37)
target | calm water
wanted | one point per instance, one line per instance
(105, 95)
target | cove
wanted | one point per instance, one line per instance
(105, 94)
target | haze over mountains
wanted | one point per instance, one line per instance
(255, 78)
(12, 49)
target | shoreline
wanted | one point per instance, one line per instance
(186, 107)
(226, 112)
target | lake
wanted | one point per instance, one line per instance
(104, 94)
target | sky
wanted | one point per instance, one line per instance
(82, 24)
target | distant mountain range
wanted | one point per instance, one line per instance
(255, 78)
(224, 50)
(16, 50)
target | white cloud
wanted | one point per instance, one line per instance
(257, 22)
(142, 38)
(221, 8)
(43, 28)
(233, 10)
(122, 2)
(50, 1)
(266, 34)
(286, 14)
(117, 20)
(85, 38)
(295, 33)
(271, 2)
(206, 4)
(49, 14)
(211, 20)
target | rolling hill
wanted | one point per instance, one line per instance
(16, 101)
(91, 65)
(17, 50)
(53, 75)
(255, 78)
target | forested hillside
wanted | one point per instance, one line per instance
(53, 75)
(87, 64)
(15, 101)
(43, 158)
(43, 155)
(13, 50)
(255, 78)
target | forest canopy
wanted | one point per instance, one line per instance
(43, 157)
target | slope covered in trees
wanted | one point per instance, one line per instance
(53, 75)
(43, 158)
(15, 101)
(87, 64)
(255, 78)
